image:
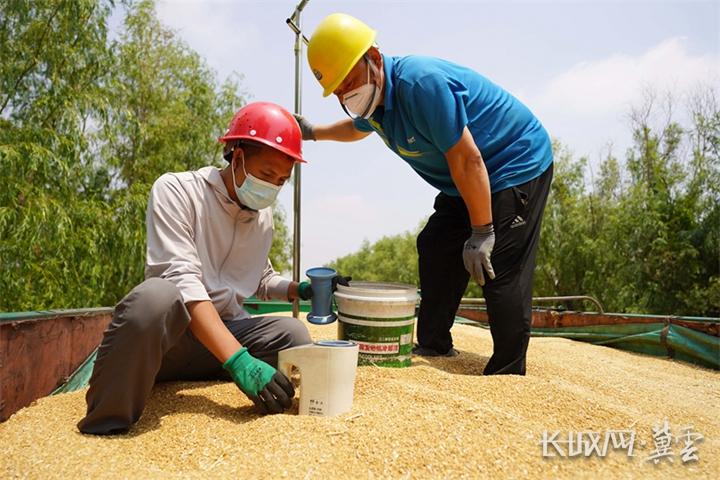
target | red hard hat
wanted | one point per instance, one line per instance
(269, 124)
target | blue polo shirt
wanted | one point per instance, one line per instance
(428, 103)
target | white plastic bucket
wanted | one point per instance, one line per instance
(380, 318)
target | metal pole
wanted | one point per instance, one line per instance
(294, 23)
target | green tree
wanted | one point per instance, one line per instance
(561, 259)
(280, 250)
(86, 125)
(644, 238)
(56, 58)
(165, 109)
(390, 259)
(164, 112)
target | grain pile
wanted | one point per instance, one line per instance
(437, 419)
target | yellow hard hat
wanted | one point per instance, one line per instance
(336, 45)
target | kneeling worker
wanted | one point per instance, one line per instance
(209, 233)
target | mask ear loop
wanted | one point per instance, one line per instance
(243, 163)
(375, 90)
(232, 165)
(372, 100)
(346, 111)
(232, 168)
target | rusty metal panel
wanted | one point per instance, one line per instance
(38, 354)
(555, 319)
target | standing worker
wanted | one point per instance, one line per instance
(485, 152)
(209, 233)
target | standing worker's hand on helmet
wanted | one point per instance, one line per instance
(307, 128)
(477, 251)
(269, 389)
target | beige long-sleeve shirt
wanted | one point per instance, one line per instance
(208, 246)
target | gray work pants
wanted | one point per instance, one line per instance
(148, 341)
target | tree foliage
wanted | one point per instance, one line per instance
(390, 259)
(87, 123)
(645, 235)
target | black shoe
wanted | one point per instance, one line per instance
(429, 352)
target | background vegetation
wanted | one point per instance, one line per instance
(87, 123)
(88, 120)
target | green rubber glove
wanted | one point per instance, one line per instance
(305, 291)
(270, 390)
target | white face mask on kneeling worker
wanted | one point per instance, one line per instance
(363, 101)
(255, 193)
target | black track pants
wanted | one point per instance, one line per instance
(517, 215)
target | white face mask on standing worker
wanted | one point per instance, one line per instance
(254, 193)
(363, 101)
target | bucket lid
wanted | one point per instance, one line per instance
(378, 290)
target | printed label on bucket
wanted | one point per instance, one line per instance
(382, 342)
(367, 347)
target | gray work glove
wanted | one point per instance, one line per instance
(305, 127)
(476, 253)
